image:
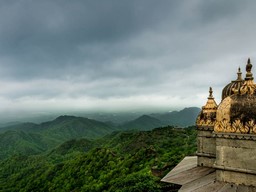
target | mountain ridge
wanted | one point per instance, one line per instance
(31, 138)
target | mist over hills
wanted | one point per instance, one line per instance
(73, 153)
(183, 118)
(144, 122)
(114, 117)
(32, 138)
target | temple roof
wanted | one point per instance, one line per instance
(230, 88)
(237, 113)
(226, 150)
(200, 179)
(207, 115)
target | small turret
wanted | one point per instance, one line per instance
(233, 87)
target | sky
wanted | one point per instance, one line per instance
(116, 55)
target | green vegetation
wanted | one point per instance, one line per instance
(121, 161)
(183, 118)
(143, 123)
(31, 139)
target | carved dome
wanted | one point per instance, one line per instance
(237, 112)
(230, 88)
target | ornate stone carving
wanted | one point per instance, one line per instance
(237, 110)
(236, 125)
(250, 126)
(225, 125)
(248, 88)
(253, 129)
(207, 116)
(245, 128)
(223, 116)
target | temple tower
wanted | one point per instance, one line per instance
(226, 142)
(235, 132)
(206, 148)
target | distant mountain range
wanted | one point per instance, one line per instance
(143, 123)
(183, 118)
(31, 138)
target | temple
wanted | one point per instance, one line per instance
(226, 142)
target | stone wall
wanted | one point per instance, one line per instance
(206, 148)
(236, 158)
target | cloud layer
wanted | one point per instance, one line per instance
(120, 55)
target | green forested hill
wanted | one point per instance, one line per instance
(24, 143)
(183, 118)
(30, 138)
(69, 127)
(143, 123)
(121, 161)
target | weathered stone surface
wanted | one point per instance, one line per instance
(236, 141)
(204, 133)
(236, 177)
(205, 161)
(235, 161)
(237, 154)
(206, 142)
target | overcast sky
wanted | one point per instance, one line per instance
(111, 55)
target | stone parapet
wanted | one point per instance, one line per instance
(235, 158)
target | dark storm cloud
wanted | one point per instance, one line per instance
(169, 51)
(56, 34)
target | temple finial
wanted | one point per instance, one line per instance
(210, 93)
(249, 65)
(248, 70)
(239, 75)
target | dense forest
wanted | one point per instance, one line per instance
(119, 161)
(79, 154)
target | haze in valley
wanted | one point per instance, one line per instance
(90, 56)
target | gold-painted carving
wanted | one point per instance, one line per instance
(248, 87)
(235, 119)
(236, 126)
(207, 117)
(253, 130)
(205, 121)
(250, 126)
(223, 115)
(217, 127)
(225, 125)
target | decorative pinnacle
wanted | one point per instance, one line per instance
(210, 93)
(248, 70)
(239, 75)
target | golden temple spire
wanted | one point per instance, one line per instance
(248, 87)
(239, 75)
(210, 102)
(210, 93)
(207, 117)
(248, 70)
